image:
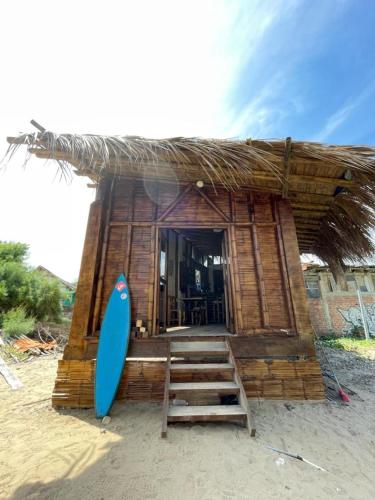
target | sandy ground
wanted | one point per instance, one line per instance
(46, 454)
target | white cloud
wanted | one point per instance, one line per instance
(340, 116)
(334, 122)
(121, 67)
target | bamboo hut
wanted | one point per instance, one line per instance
(209, 233)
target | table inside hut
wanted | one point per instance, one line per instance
(196, 310)
(192, 285)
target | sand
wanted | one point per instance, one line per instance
(49, 454)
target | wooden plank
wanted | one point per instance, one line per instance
(250, 422)
(199, 348)
(269, 346)
(138, 348)
(82, 312)
(205, 413)
(296, 280)
(206, 367)
(166, 394)
(180, 388)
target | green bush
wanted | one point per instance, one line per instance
(20, 286)
(16, 322)
(13, 252)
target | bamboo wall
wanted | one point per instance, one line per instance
(266, 286)
(266, 281)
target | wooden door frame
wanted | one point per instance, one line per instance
(229, 257)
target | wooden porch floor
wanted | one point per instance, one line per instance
(213, 330)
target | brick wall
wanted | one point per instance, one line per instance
(343, 311)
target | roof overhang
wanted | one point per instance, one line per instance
(330, 188)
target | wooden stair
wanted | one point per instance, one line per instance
(190, 375)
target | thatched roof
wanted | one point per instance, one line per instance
(331, 188)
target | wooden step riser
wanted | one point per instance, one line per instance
(201, 355)
(189, 392)
(199, 399)
(206, 376)
(209, 418)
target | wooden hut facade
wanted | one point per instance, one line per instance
(209, 235)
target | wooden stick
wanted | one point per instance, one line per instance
(166, 393)
(37, 126)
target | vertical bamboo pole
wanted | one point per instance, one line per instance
(155, 329)
(151, 281)
(99, 289)
(258, 264)
(282, 260)
(236, 282)
(228, 304)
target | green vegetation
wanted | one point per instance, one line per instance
(26, 295)
(363, 347)
(15, 323)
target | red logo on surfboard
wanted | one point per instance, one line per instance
(120, 286)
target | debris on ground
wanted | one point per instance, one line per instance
(9, 377)
(46, 340)
(25, 344)
(297, 457)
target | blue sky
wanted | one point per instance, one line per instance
(313, 76)
(213, 68)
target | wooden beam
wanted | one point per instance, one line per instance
(175, 202)
(305, 213)
(284, 270)
(288, 148)
(212, 204)
(255, 174)
(310, 206)
(306, 225)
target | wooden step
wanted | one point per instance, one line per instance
(202, 372)
(186, 388)
(206, 413)
(204, 367)
(199, 348)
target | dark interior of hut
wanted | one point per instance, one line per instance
(192, 282)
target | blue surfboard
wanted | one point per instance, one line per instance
(113, 346)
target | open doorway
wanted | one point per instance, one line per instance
(193, 279)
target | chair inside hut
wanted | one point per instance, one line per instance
(192, 284)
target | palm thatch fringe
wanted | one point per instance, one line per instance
(344, 232)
